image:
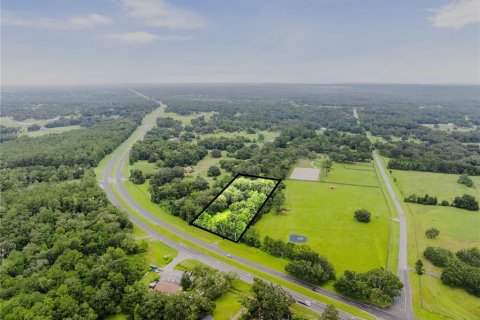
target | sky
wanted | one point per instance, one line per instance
(68, 42)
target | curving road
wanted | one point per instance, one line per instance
(121, 155)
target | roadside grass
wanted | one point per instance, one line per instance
(325, 217)
(139, 232)
(458, 229)
(340, 305)
(156, 252)
(141, 195)
(146, 167)
(229, 305)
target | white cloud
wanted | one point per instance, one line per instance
(142, 37)
(87, 21)
(90, 20)
(457, 14)
(158, 13)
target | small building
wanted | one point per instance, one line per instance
(169, 282)
(188, 169)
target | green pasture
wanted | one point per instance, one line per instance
(325, 216)
(442, 185)
(362, 173)
(458, 229)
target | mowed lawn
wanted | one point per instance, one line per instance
(458, 229)
(325, 216)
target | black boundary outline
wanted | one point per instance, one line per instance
(253, 218)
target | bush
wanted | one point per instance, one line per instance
(378, 286)
(467, 202)
(213, 171)
(136, 176)
(362, 215)
(432, 233)
(470, 256)
(438, 256)
(216, 153)
(464, 179)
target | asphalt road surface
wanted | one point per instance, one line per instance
(405, 300)
(394, 312)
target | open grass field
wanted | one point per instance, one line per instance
(325, 216)
(159, 253)
(9, 122)
(362, 173)
(146, 167)
(458, 229)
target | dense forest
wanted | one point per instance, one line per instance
(233, 210)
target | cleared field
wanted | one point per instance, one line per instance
(23, 125)
(458, 229)
(308, 174)
(359, 174)
(325, 216)
(146, 167)
(442, 185)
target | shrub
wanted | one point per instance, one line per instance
(362, 215)
(438, 256)
(465, 180)
(470, 256)
(432, 233)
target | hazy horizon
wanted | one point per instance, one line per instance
(143, 42)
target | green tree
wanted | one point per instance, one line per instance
(330, 313)
(136, 176)
(419, 267)
(267, 301)
(216, 153)
(432, 233)
(186, 282)
(362, 215)
(213, 171)
(465, 179)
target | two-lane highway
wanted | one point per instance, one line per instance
(121, 156)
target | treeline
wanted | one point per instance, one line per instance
(466, 201)
(15, 178)
(166, 153)
(67, 253)
(239, 114)
(461, 269)
(377, 286)
(432, 165)
(83, 147)
(89, 104)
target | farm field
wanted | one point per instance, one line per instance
(360, 174)
(325, 217)
(458, 229)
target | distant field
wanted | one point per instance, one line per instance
(449, 127)
(458, 229)
(9, 122)
(325, 216)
